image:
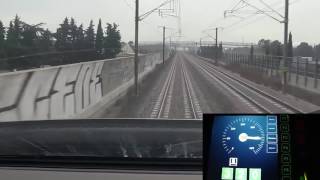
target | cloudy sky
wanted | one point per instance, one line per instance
(197, 15)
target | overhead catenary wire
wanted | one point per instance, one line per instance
(251, 22)
(241, 7)
(233, 8)
(256, 12)
(143, 16)
(267, 5)
(128, 4)
(262, 11)
(236, 5)
(235, 24)
(253, 15)
(143, 22)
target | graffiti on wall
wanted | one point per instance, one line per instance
(50, 94)
(66, 91)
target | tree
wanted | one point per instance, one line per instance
(304, 50)
(2, 38)
(10, 34)
(89, 36)
(17, 29)
(73, 30)
(30, 36)
(62, 36)
(251, 52)
(220, 50)
(11, 41)
(80, 43)
(131, 44)
(316, 50)
(2, 34)
(261, 43)
(112, 42)
(265, 44)
(14, 37)
(276, 48)
(45, 41)
(290, 46)
(267, 48)
(99, 37)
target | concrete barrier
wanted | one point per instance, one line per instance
(69, 91)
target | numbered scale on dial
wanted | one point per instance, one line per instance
(243, 135)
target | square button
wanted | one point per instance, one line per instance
(272, 119)
(227, 173)
(285, 148)
(284, 118)
(286, 170)
(285, 158)
(241, 174)
(284, 127)
(272, 138)
(254, 174)
(285, 138)
(272, 148)
(272, 128)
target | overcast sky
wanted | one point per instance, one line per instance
(197, 15)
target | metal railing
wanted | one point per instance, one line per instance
(298, 68)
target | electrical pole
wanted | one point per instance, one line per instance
(136, 49)
(164, 44)
(285, 20)
(216, 45)
(285, 44)
(200, 46)
(217, 37)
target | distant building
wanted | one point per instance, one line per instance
(309, 59)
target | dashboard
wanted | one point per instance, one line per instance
(54, 174)
(247, 146)
(221, 147)
(101, 149)
(260, 147)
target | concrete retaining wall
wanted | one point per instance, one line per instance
(69, 91)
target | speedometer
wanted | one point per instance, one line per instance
(244, 147)
(243, 135)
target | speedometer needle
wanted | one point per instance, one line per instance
(243, 137)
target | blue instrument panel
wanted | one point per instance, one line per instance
(244, 148)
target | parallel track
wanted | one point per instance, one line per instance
(261, 102)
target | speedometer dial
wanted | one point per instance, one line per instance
(243, 135)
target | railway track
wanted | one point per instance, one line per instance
(191, 107)
(258, 100)
(191, 102)
(162, 106)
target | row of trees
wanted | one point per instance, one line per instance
(275, 48)
(21, 38)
